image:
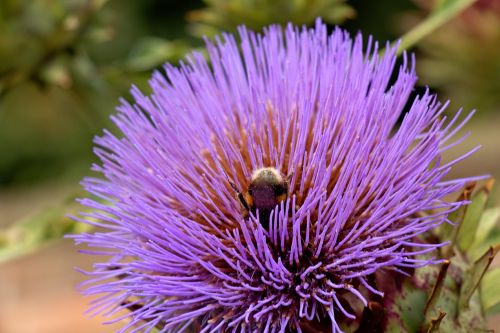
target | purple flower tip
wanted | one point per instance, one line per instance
(261, 190)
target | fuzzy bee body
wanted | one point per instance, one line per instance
(267, 189)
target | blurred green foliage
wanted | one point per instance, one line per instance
(63, 64)
(462, 59)
(37, 231)
(227, 15)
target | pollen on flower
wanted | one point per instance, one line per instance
(199, 238)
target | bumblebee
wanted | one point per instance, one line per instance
(267, 189)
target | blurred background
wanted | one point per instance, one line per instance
(65, 63)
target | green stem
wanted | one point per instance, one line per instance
(433, 22)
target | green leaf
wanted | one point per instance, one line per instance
(468, 229)
(446, 300)
(474, 276)
(485, 230)
(458, 320)
(42, 229)
(450, 232)
(151, 52)
(490, 291)
(338, 14)
(226, 15)
(442, 5)
(409, 305)
(494, 310)
(443, 12)
(492, 240)
(436, 290)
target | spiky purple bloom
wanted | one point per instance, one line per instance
(315, 106)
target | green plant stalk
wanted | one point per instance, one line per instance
(435, 20)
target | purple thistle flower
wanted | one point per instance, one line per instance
(190, 245)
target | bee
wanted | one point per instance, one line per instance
(268, 188)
